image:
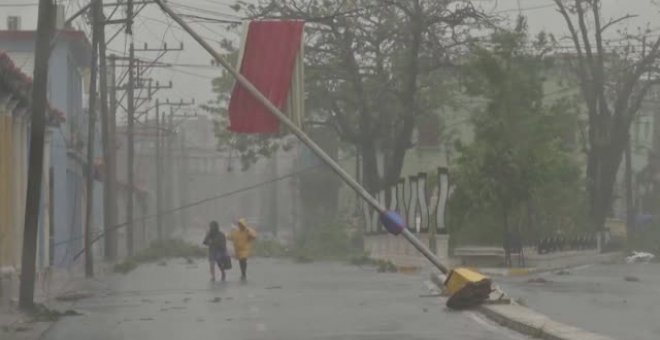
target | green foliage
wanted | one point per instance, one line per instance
(270, 248)
(325, 241)
(373, 69)
(125, 266)
(522, 157)
(160, 250)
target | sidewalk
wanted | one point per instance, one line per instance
(552, 262)
(598, 298)
(536, 263)
(527, 321)
(59, 290)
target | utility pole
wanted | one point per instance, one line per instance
(131, 148)
(169, 157)
(135, 82)
(159, 165)
(183, 179)
(630, 210)
(109, 129)
(45, 31)
(91, 129)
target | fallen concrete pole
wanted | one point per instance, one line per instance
(468, 292)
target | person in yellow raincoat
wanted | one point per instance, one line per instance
(242, 238)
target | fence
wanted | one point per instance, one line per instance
(555, 244)
(421, 200)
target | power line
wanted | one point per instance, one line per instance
(210, 199)
(206, 11)
(20, 5)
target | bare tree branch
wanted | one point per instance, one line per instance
(616, 21)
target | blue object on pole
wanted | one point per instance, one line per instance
(393, 222)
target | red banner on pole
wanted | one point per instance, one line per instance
(269, 60)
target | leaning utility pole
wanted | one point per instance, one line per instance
(91, 128)
(45, 31)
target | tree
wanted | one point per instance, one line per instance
(522, 149)
(374, 68)
(613, 84)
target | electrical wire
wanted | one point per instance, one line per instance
(210, 199)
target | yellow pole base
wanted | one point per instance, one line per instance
(467, 288)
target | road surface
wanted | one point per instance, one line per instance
(598, 298)
(281, 300)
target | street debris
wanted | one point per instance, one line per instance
(147, 300)
(21, 329)
(216, 300)
(631, 278)
(74, 296)
(430, 295)
(521, 301)
(274, 287)
(158, 252)
(386, 266)
(563, 272)
(15, 329)
(186, 299)
(146, 319)
(640, 257)
(41, 313)
(538, 280)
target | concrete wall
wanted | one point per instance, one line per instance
(398, 250)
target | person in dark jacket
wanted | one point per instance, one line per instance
(217, 243)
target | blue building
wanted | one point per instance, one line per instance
(61, 237)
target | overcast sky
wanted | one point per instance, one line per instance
(193, 73)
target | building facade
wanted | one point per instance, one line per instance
(67, 83)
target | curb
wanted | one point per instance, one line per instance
(529, 322)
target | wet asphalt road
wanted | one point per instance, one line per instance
(598, 298)
(281, 300)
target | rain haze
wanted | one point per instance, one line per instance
(312, 169)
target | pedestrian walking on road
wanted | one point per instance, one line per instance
(217, 243)
(243, 237)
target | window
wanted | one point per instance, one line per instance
(13, 23)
